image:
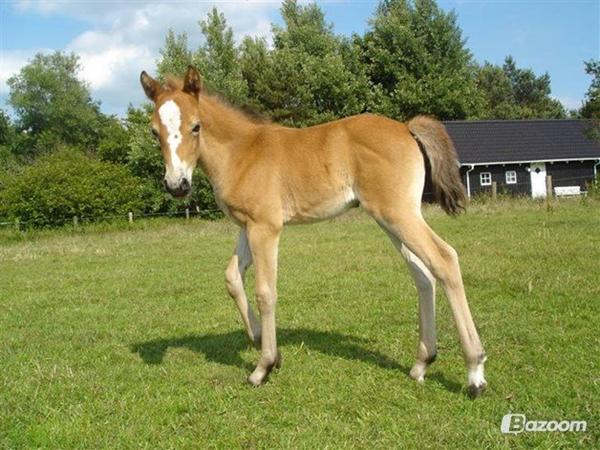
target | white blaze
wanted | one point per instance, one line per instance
(170, 116)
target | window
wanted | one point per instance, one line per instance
(511, 177)
(485, 178)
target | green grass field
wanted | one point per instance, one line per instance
(126, 338)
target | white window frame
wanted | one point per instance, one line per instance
(485, 175)
(510, 176)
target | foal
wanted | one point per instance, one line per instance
(265, 176)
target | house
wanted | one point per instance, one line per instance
(518, 154)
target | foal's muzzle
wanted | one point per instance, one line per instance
(182, 189)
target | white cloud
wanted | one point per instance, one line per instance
(10, 63)
(125, 37)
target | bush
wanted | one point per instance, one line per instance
(66, 184)
(593, 187)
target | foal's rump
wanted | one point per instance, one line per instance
(391, 159)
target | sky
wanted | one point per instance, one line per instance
(117, 39)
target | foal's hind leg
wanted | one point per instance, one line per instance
(425, 282)
(442, 261)
(234, 277)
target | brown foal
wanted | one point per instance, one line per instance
(265, 176)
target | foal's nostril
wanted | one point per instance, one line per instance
(185, 184)
(164, 183)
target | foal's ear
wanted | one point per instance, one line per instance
(192, 84)
(152, 88)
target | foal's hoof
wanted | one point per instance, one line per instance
(475, 390)
(256, 380)
(417, 373)
(260, 374)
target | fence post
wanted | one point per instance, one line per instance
(549, 193)
(187, 213)
(494, 190)
(130, 215)
(75, 221)
(17, 224)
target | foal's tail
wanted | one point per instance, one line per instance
(437, 145)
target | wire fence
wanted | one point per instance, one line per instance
(130, 216)
(204, 213)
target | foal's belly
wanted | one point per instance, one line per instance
(316, 209)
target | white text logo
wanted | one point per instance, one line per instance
(517, 423)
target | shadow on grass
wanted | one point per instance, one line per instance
(225, 348)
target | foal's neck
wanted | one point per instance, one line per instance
(224, 131)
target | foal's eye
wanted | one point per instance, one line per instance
(196, 129)
(155, 132)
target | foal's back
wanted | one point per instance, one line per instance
(320, 171)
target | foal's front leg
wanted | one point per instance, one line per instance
(234, 278)
(264, 241)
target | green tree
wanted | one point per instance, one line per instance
(256, 67)
(306, 78)
(6, 128)
(591, 105)
(8, 137)
(415, 55)
(532, 92)
(218, 59)
(144, 157)
(113, 140)
(513, 93)
(497, 92)
(175, 56)
(52, 105)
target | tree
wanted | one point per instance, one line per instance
(175, 56)
(113, 140)
(513, 93)
(8, 136)
(416, 56)
(52, 105)
(532, 92)
(6, 128)
(255, 65)
(305, 78)
(591, 105)
(218, 59)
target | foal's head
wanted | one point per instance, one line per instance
(176, 123)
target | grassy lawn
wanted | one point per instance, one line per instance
(126, 338)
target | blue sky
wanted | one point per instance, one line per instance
(118, 39)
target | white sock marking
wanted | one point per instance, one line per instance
(476, 376)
